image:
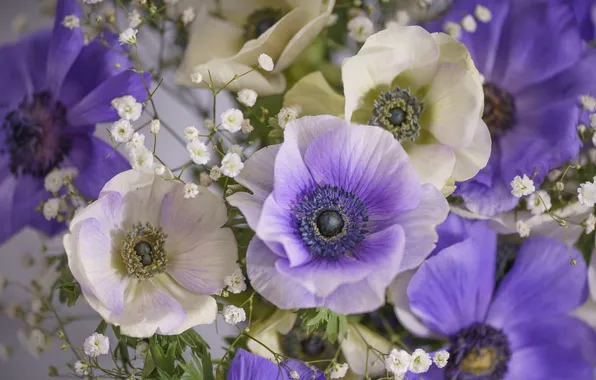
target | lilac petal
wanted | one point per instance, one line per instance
(97, 163)
(380, 252)
(107, 277)
(248, 366)
(420, 226)
(96, 106)
(283, 291)
(368, 162)
(308, 128)
(453, 289)
(257, 176)
(548, 362)
(584, 10)
(542, 282)
(487, 200)
(530, 51)
(65, 46)
(8, 226)
(95, 64)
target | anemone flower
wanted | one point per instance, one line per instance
(247, 366)
(55, 89)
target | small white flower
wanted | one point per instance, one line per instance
(338, 371)
(141, 160)
(522, 228)
(155, 126)
(5, 352)
(204, 179)
(421, 361)
(215, 173)
(122, 131)
(402, 18)
(587, 194)
(141, 350)
(590, 223)
(51, 208)
(232, 119)
(96, 344)
(137, 141)
(92, 1)
(54, 181)
(134, 19)
(440, 358)
(188, 15)
(453, 29)
(81, 368)
(588, 102)
(286, 115)
(128, 37)
(128, 108)
(196, 77)
(209, 124)
(332, 20)
(236, 149)
(233, 314)
(469, 23)
(398, 361)
(159, 169)
(593, 120)
(191, 190)
(245, 127)
(483, 14)
(247, 97)
(4, 282)
(198, 152)
(522, 186)
(236, 283)
(191, 133)
(71, 22)
(539, 202)
(360, 28)
(581, 128)
(265, 62)
(231, 165)
(294, 375)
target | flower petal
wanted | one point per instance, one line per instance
(434, 163)
(355, 350)
(470, 160)
(315, 96)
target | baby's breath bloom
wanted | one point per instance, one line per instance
(159, 169)
(286, 115)
(137, 141)
(204, 179)
(233, 314)
(522, 228)
(453, 29)
(134, 19)
(81, 368)
(191, 190)
(196, 77)
(421, 361)
(188, 15)
(236, 149)
(231, 120)
(128, 37)
(245, 126)
(96, 345)
(521, 186)
(483, 14)
(215, 173)
(155, 126)
(231, 165)
(469, 23)
(590, 223)
(586, 193)
(588, 102)
(121, 131)
(440, 358)
(236, 283)
(398, 361)
(247, 97)
(141, 350)
(128, 108)
(360, 28)
(71, 22)
(265, 62)
(338, 371)
(51, 208)
(198, 152)
(539, 202)
(141, 159)
(191, 133)
(54, 181)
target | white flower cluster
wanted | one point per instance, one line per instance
(521, 186)
(399, 362)
(586, 193)
(96, 345)
(233, 314)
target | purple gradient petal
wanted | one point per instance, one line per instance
(548, 362)
(488, 200)
(542, 282)
(65, 46)
(452, 289)
(8, 226)
(96, 106)
(247, 366)
(30, 59)
(308, 128)
(584, 13)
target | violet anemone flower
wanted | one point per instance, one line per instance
(535, 67)
(338, 211)
(518, 330)
(247, 366)
(55, 89)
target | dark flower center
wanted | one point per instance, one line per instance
(261, 21)
(331, 222)
(478, 352)
(300, 345)
(506, 254)
(398, 111)
(499, 110)
(35, 135)
(143, 251)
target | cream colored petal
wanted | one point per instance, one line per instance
(354, 349)
(470, 160)
(434, 163)
(452, 106)
(238, 11)
(268, 332)
(314, 96)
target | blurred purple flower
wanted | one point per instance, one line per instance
(247, 366)
(54, 90)
(535, 66)
(338, 212)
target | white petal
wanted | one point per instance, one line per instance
(315, 96)
(268, 331)
(451, 50)
(474, 157)
(354, 349)
(434, 163)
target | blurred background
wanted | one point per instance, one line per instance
(21, 259)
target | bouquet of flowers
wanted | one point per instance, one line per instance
(395, 189)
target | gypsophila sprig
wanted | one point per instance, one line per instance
(247, 97)
(96, 345)
(121, 131)
(521, 186)
(398, 362)
(420, 362)
(586, 193)
(128, 108)
(236, 283)
(155, 126)
(233, 314)
(265, 62)
(231, 165)
(440, 358)
(191, 133)
(231, 120)
(360, 28)
(339, 370)
(191, 190)
(198, 152)
(81, 368)
(523, 229)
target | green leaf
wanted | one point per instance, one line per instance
(323, 318)
(170, 358)
(101, 329)
(192, 370)
(207, 366)
(158, 355)
(149, 365)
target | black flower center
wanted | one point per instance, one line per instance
(35, 135)
(143, 251)
(478, 352)
(331, 222)
(261, 21)
(499, 110)
(307, 347)
(398, 111)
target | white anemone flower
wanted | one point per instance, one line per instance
(227, 39)
(147, 259)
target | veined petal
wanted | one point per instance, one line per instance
(471, 159)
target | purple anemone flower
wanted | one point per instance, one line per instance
(585, 12)
(247, 366)
(519, 331)
(338, 212)
(536, 67)
(54, 90)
